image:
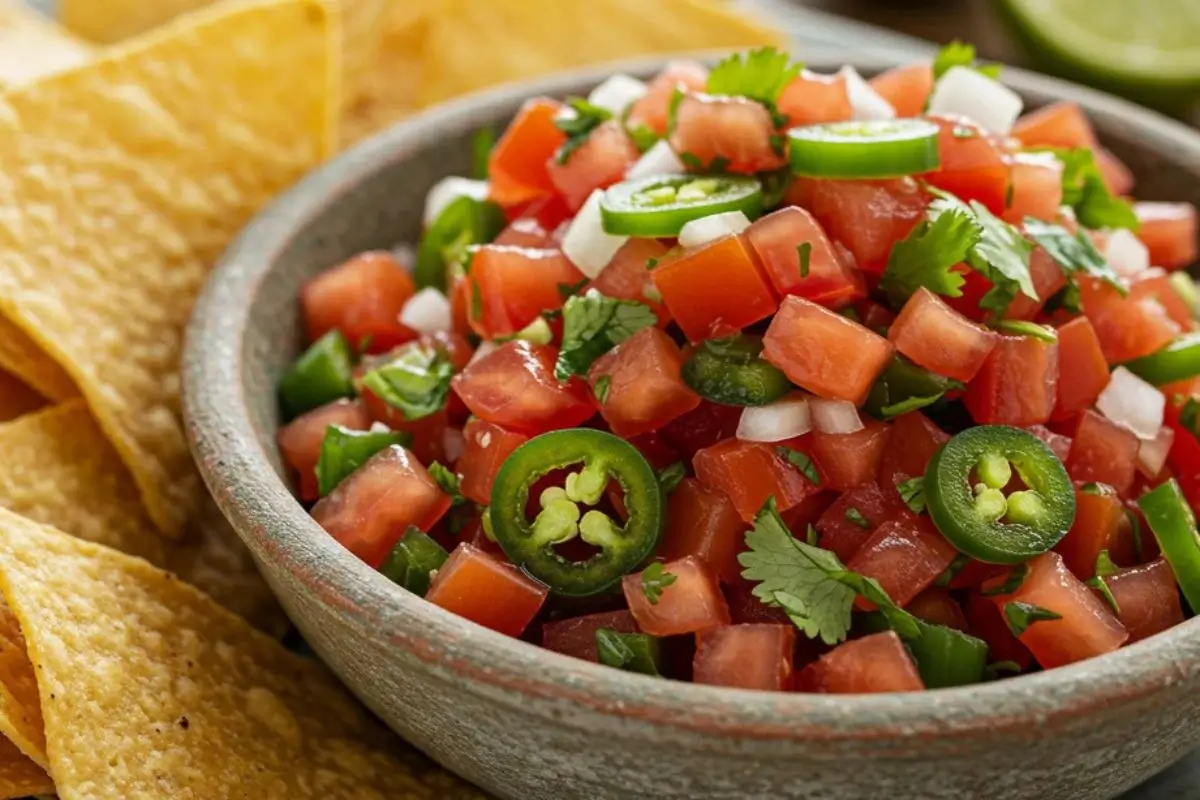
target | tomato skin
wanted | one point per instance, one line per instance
(907, 88)
(825, 353)
(514, 285)
(704, 523)
(1169, 231)
(1016, 385)
(1097, 516)
(524, 232)
(1127, 327)
(1155, 284)
(702, 427)
(987, 623)
(577, 636)
(938, 606)
(1036, 187)
(514, 387)
(691, 604)
(1148, 598)
(715, 290)
(913, 441)
(829, 280)
(973, 166)
(1104, 452)
(1082, 369)
(487, 591)
(906, 555)
(369, 511)
(300, 440)
(745, 657)
(873, 664)
(850, 459)
(750, 473)
(732, 128)
(1061, 124)
(645, 390)
(812, 99)
(362, 298)
(517, 165)
(598, 163)
(485, 447)
(844, 537)
(627, 276)
(652, 110)
(937, 337)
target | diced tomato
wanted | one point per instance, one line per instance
(975, 573)
(745, 656)
(812, 99)
(512, 286)
(598, 163)
(913, 441)
(1169, 231)
(524, 232)
(850, 459)
(1082, 370)
(645, 390)
(1148, 598)
(577, 636)
(745, 608)
(1104, 452)
(873, 664)
(973, 165)
(1047, 279)
(854, 516)
(824, 352)
(485, 447)
(940, 339)
(653, 108)
(809, 510)
(514, 387)
(370, 510)
(691, 603)
(704, 523)
(487, 591)
(517, 166)
(875, 316)
(1017, 383)
(907, 88)
(734, 132)
(827, 279)
(906, 555)
(460, 307)
(657, 450)
(1061, 124)
(715, 290)
(627, 276)
(1058, 443)
(1127, 327)
(749, 473)
(868, 217)
(938, 606)
(702, 427)
(1097, 515)
(1118, 178)
(1087, 627)
(362, 298)
(987, 623)
(1155, 283)
(300, 440)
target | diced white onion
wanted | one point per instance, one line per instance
(484, 350)
(617, 93)
(378, 427)
(971, 94)
(782, 420)
(714, 226)
(1152, 454)
(1130, 401)
(1126, 254)
(452, 443)
(865, 102)
(834, 416)
(427, 311)
(447, 190)
(586, 244)
(660, 159)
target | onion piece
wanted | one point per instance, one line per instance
(660, 159)
(971, 94)
(865, 102)
(1152, 454)
(586, 243)
(1130, 401)
(714, 226)
(447, 190)
(782, 420)
(1126, 254)
(834, 416)
(618, 93)
(452, 443)
(427, 311)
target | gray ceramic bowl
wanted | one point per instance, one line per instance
(527, 723)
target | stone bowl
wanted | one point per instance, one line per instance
(527, 723)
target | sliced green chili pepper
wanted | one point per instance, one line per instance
(466, 221)
(1178, 361)
(344, 450)
(633, 652)
(413, 561)
(865, 149)
(1174, 525)
(565, 514)
(964, 491)
(732, 372)
(660, 205)
(320, 375)
(905, 387)
(944, 656)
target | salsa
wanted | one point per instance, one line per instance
(767, 379)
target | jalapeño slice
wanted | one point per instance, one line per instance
(1178, 361)
(732, 372)
(660, 205)
(887, 148)
(464, 222)
(1170, 517)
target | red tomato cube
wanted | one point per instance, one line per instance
(750, 473)
(812, 99)
(973, 164)
(847, 460)
(1047, 279)
(514, 387)
(485, 448)
(1148, 598)
(938, 606)
(704, 523)
(702, 427)
(370, 510)
(735, 130)
(1036, 187)
(525, 232)
(653, 109)
(1127, 327)
(745, 656)
(854, 516)
(1097, 517)
(824, 352)
(1104, 452)
(577, 636)
(906, 555)
(745, 608)
(987, 623)
(362, 298)
(913, 441)
(1155, 283)
(1061, 124)
(1082, 370)
(645, 390)
(1059, 444)
(940, 339)
(870, 665)
(690, 604)
(1017, 384)
(1169, 231)
(907, 88)
(300, 440)
(627, 276)
(514, 285)
(598, 163)
(827, 279)
(517, 167)
(715, 290)
(482, 588)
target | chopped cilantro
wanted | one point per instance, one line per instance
(812, 536)
(855, 516)
(633, 652)
(643, 136)
(594, 324)
(1073, 252)
(566, 290)
(912, 492)
(801, 462)
(600, 389)
(1066, 299)
(926, 257)
(670, 476)
(654, 580)
(691, 161)
(1105, 568)
(677, 95)
(416, 383)
(961, 54)
(759, 75)
(804, 251)
(1085, 191)
(448, 482)
(1002, 256)
(1020, 616)
(579, 125)
(909, 404)
(951, 572)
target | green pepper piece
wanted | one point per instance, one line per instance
(1178, 361)
(344, 450)
(531, 545)
(320, 375)
(465, 222)
(944, 657)
(660, 205)
(732, 372)
(865, 149)
(983, 521)
(905, 387)
(1171, 519)
(632, 652)
(416, 382)
(413, 561)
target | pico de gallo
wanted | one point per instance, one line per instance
(764, 378)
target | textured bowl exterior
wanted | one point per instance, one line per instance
(527, 723)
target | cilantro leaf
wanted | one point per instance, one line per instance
(416, 383)
(601, 386)
(804, 252)
(1100, 585)
(926, 256)
(760, 75)
(801, 462)
(909, 404)
(1105, 568)
(578, 125)
(644, 137)
(670, 476)
(1020, 616)
(1073, 252)
(912, 492)
(961, 54)
(1085, 191)
(447, 481)
(634, 652)
(853, 515)
(956, 566)
(594, 324)
(654, 580)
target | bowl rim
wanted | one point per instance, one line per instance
(240, 475)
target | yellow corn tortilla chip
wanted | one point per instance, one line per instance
(20, 709)
(17, 399)
(132, 174)
(389, 90)
(20, 777)
(21, 356)
(32, 46)
(149, 689)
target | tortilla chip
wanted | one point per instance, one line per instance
(32, 46)
(149, 689)
(152, 158)
(20, 777)
(17, 399)
(20, 709)
(388, 91)
(21, 356)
